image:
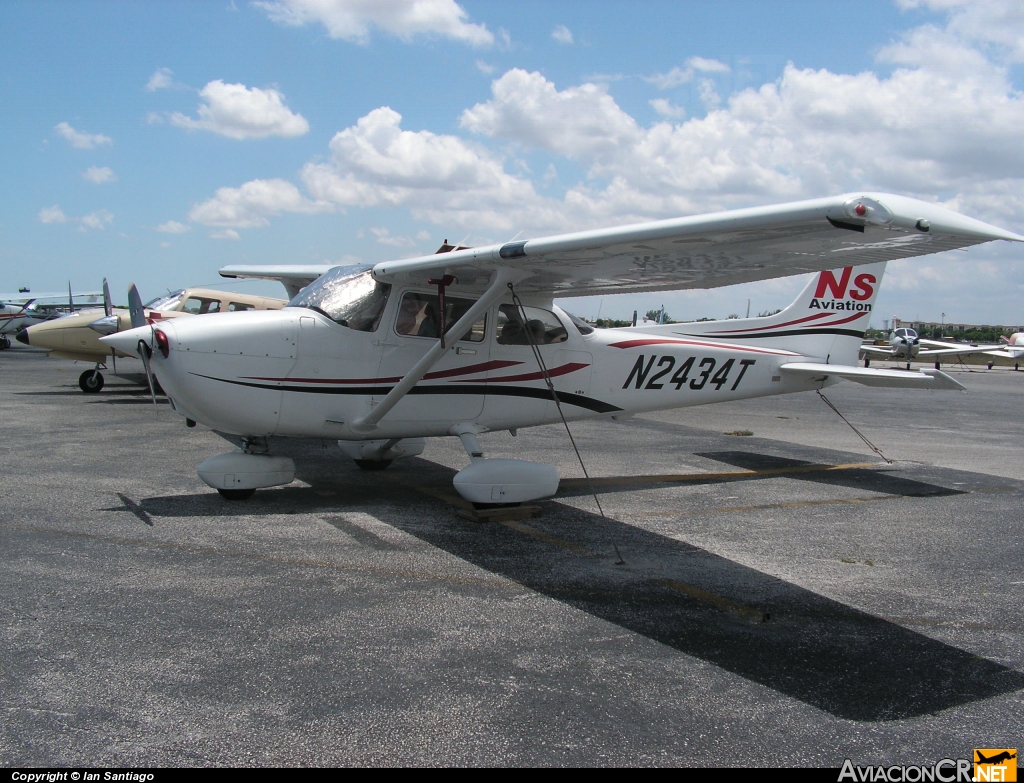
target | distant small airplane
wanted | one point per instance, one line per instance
(77, 336)
(1012, 348)
(905, 344)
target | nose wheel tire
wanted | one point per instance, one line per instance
(372, 464)
(90, 381)
(5, 342)
(236, 494)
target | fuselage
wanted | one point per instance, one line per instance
(297, 372)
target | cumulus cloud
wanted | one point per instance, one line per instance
(945, 120)
(253, 204)
(562, 34)
(352, 20)
(79, 140)
(678, 76)
(384, 237)
(172, 227)
(998, 23)
(241, 112)
(161, 79)
(96, 221)
(225, 233)
(667, 109)
(99, 174)
(582, 121)
(52, 214)
(485, 68)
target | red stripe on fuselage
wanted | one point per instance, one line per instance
(773, 326)
(472, 369)
(659, 341)
(565, 369)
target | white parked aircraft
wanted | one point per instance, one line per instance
(905, 344)
(1012, 348)
(460, 343)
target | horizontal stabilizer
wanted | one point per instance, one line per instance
(870, 376)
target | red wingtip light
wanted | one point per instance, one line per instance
(860, 210)
(162, 342)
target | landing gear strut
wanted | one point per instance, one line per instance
(91, 381)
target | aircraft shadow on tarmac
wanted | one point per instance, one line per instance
(824, 653)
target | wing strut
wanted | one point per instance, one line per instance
(365, 425)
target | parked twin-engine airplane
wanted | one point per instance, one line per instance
(469, 341)
(18, 311)
(77, 336)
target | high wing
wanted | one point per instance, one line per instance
(294, 277)
(710, 251)
(893, 379)
(930, 348)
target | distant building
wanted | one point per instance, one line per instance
(951, 328)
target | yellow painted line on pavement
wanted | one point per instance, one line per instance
(747, 612)
(673, 478)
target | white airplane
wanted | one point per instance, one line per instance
(1012, 348)
(469, 341)
(906, 344)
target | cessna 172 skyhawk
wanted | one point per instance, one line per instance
(460, 343)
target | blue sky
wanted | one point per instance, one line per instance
(155, 142)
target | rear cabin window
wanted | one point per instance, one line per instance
(200, 305)
(542, 327)
(235, 307)
(418, 316)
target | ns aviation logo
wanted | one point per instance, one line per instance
(862, 290)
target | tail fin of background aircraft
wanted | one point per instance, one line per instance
(827, 320)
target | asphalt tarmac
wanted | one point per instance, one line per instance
(786, 598)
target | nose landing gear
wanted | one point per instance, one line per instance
(91, 381)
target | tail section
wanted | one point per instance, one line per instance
(827, 320)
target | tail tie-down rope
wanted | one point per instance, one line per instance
(558, 404)
(871, 445)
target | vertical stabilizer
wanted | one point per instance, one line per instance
(827, 320)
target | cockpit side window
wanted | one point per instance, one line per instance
(581, 326)
(542, 327)
(418, 316)
(354, 300)
(201, 305)
(234, 307)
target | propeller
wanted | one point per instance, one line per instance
(107, 312)
(138, 316)
(71, 299)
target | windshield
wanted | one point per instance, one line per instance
(354, 300)
(165, 302)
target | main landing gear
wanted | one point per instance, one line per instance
(378, 454)
(239, 473)
(5, 342)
